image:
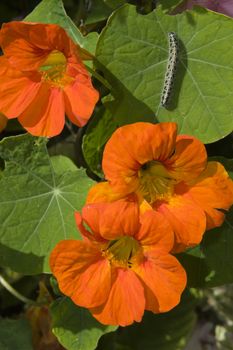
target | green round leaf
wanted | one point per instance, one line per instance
(38, 199)
(133, 52)
(75, 327)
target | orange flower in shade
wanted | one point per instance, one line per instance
(43, 77)
(123, 265)
(40, 321)
(3, 122)
(169, 174)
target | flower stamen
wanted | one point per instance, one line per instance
(155, 182)
(53, 70)
(121, 252)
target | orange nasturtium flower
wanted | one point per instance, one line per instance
(169, 174)
(123, 265)
(42, 77)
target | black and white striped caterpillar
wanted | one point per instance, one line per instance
(171, 68)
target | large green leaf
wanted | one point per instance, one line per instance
(37, 204)
(168, 331)
(210, 264)
(15, 335)
(133, 52)
(75, 327)
(52, 11)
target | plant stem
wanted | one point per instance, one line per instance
(16, 294)
(99, 77)
(69, 127)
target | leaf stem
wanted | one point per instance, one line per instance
(99, 77)
(69, 127)
(16, 294)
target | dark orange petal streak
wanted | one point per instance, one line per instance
(89, 230)
(82, 273)
(189, 159)
(164, 280)
(126, 301)
(45, 116)
(155, 231)
(187, 220)
(16, 90)
(80, 99)
(113, 220)
(213, 189)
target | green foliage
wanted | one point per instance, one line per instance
(39, 196)
(74, 326)
(100, 10)
(168, 5)
(210, 264)
(39, 193)
(61, 164)
(15, 335)
(168, 331)
(133, 51)
(97, 134)
(52, 11)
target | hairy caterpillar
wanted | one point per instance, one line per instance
(171, 68)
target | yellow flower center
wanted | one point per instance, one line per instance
(155, 182)
(53, 70)
(122, 252)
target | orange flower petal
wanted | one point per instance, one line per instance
(42, 75)
(82, 273)
(213, 190)
(80, 100)
(155, 230)
(133, 145)
(189, 159)
(187, 220)
(50, 37)
(120, 218)
(16, 90)
(125, 303)
(18, 48)
(45, 116)
(91, 215)
(164, 280)
(102, 192)
(93, 234)
(145, 206)
(26, 45)
(113, 220)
